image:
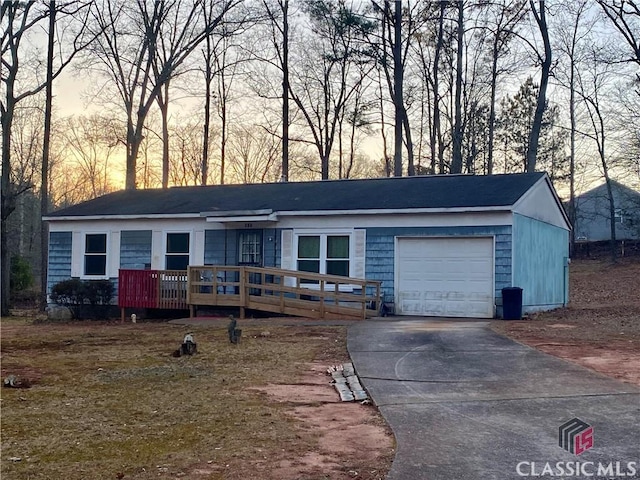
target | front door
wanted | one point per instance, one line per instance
(250, 254)
(250, 248)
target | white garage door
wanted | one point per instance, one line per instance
(449, 277)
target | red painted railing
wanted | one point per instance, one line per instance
(152, 289)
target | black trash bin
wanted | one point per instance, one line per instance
(512, 303)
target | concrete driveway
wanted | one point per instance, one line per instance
(467, 403)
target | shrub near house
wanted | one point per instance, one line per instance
(85, 299)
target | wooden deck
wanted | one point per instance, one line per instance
(273, 290)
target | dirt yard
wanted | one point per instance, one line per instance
(108, 401)
(601, 327)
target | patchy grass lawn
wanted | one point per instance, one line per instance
(600, 329)
(109, 401)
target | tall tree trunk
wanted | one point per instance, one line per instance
(340, 146)
(207, 114)
(398, 94)
(492, 105)
(612, 214)
(223, 137)
(352, 146)
(132, 154)
(383, 125)
(572, 155)
(163, 104)
(44, 180)
(7, 197)
(456, 161)
(573, 130)
(411, 169)
(532, 149)
(436, 93)
(285, 91)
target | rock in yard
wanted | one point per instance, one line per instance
(58, 312)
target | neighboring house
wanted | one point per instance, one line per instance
(593, 213)
(441, 245)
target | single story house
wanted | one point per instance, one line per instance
(593, 213)
(442, 245)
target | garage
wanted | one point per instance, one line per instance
(449, 277)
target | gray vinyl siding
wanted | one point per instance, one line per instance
(135, 249)
(380, 255)
(59, 267)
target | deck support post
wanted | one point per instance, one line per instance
(122, 315)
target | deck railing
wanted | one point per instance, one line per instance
(283, 291)
(268, 289)
(152, 289)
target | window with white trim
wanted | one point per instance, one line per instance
(177, 251)
(95, 255)
(324, 253)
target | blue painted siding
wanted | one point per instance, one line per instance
(380, 255)
(59, 266)
(214, 247)
(221, 247)
(135, 249)
(540, 254)
(270, 237)
(231, 257)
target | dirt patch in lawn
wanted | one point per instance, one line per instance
(351, 436)
(109, 401)
(600, 329)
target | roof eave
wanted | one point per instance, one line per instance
(150, 216)
(233, 216)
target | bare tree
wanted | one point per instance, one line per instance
(222, 57)
(131, 37)
(254, 155)
(90, 145)
(278, 15)
(571, 37)
(592, 83)
(508, 14)
(324, 81)
(391, 44)
(436, 131)
(19, 20)
(625, 16)
(539, 14)
(185, 153)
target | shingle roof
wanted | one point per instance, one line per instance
(436, 191)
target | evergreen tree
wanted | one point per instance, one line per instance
(514, 127)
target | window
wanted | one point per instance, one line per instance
(177, 254)
(250, 248)
(95, 254)
(619, 216)
(309, 254)
(324, 254)
(338, 255)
